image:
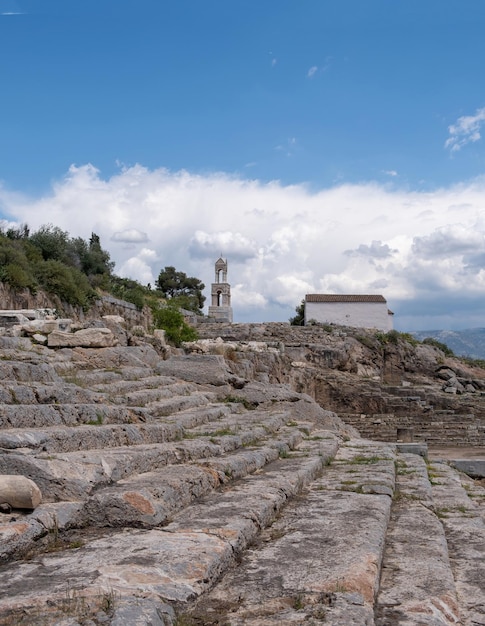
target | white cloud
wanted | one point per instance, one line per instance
(417, 248)
(137, 269)
(131, 235)
(390, 172)
(465, 130)
(312, 71)
(211, 245)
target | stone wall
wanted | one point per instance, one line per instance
(440, 428)
(106, 305)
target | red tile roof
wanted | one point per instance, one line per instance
(331, 297)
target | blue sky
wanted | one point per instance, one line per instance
(321, 145)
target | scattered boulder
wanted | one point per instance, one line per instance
(19, 492)
(85, 338)
(204, 370)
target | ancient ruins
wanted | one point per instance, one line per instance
(265, 474)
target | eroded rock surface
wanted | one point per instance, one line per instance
(221, 486)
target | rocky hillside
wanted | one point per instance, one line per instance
(225, 483)
(469, 342)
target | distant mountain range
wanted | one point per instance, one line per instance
(470, 342)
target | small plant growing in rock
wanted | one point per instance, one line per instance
(298, 602)
(238, 400)
(98, 421)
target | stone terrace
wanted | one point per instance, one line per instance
(200, 490)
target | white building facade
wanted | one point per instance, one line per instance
(358, 311)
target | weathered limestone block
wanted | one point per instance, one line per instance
(38, 338)
(46, 326)
(117, 325)
(205, 369)
(85, 338)
(142, 356)
(159, 334)
(115, 319)
(19, 492)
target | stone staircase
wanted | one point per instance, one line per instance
(382, 410)
(177, 494)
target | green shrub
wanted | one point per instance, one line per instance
(430, 341)
(394, 337)
(68, 283)
(15, 269)
(131, 291)
(172, 322)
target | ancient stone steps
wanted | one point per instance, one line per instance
(151, 499)
(68, 409)
(33, 369)
(194, 490)
(319, 562)
(464, 527)
(148, 396)
(173, 564)
(74, 475)
(15, 393)
(108, 379)
(86, 437)
(169, 428)
(44, 415)
(417, 583)
(157, 492)
(436, 431)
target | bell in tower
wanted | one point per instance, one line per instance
(220, 308)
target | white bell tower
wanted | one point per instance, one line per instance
(220, 308)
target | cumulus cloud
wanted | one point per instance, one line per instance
(210, 245)
(137, 269)
(131, 235)
(447, 242)
(280, 241)
(376, 250)
(465, 130)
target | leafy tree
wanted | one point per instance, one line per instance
(15, 268)
(22, 232)
(172, 321)
(129, 290)
(185, 291)
(52, 242)
(69, 283)
(91, 259)
(98, 260)
(299, 318)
